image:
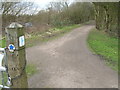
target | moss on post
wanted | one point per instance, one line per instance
(17, 58)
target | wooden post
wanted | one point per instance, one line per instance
(16, 55)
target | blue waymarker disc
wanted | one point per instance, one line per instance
(11, 48)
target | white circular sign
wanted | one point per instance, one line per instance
(11, 48)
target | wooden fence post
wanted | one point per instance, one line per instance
(15, 41)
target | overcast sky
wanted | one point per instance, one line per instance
(42, 3)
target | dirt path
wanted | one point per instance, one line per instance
(68, 63)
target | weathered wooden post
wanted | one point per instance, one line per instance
(16, 57)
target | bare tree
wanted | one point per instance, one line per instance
(11, 10)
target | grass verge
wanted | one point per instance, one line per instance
(104, 45)
(49, 35)
(46, 36)
(2, 43)
(30, 70)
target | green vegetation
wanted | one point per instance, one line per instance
(106, 14)
(105, 46)
(30, 70)
(51, 34)
(46, 36)
(2, 43)
(38, 37)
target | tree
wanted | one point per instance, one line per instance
(12, 10)
(81, 12)
(107, 17)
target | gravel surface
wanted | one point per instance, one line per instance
(67, 62)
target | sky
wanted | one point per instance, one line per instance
(41, 3)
